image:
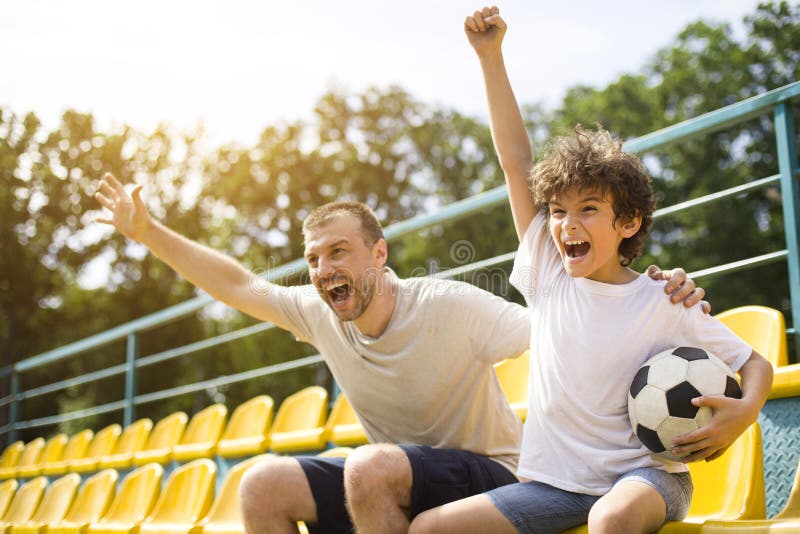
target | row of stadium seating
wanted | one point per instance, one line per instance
(731, 488)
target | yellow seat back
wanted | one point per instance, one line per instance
(75, 449)
(165, 435)
(134, 437)
(7, 490)
(336, 452)
(28, 459)
(246, 432)
(762, 328)
(343, 427)
(225, 514)
(513, 377)
(136, 495)
(299, 423)
(57, 499)
(202, 434)
(102, 444)
(186, 497)
(52, 451)
(11, 454)
(93, 498)
(25, 501)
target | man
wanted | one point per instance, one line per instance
(414, 357)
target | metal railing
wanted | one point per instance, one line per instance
(778, 101)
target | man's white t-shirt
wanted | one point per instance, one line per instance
(588, 339)
(428, 379)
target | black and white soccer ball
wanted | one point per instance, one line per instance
(659, 401)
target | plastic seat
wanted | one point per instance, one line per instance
(52, 451)
(7, 491)
(225, 517)
(299, 423)
(76, 448)
(513, 377)
(54, 506)
(24, 503)
(202, 434)
(132, 440)
(102, 444)
(343, 427)
(728, 488)
(90, 504)
(11, 454)
(28, 458)
(185, 500)
(247, 431)
(762, 328)
(165, 435)
(133, 502)
(787, 520)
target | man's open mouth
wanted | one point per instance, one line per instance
(338, 291)
(576, 249)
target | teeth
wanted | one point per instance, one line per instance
(574, 242)
(334, 285)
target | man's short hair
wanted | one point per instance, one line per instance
(320, 216)
(594, 159)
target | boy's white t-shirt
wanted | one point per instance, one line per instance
(428, 379)
(588, 339)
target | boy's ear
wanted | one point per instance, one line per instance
(629, 227)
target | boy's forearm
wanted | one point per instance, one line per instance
(756, 376)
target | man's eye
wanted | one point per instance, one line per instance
(589, 208)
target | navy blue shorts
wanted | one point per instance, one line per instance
(439, 476)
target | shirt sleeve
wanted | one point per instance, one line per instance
(697, 329)
(537, 261)
(499, 329)
(298, 309)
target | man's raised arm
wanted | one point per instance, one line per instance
(215, 273)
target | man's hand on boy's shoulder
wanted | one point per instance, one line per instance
(485, 30)
(680, 287)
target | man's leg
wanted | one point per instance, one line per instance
(278, 492)
(377, 482)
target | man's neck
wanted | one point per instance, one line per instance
(376, 317)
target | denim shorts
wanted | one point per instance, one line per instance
(439, 476)
(535, 507)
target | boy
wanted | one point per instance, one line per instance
(596, 321)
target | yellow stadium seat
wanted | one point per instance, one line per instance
(224, 517)
(102, 444)
(27, 459)
(299, 423)
(76, 448)
(90, 504)
(10, 455)
(54, 506)
(787, 520)
(132, 440)
(7, 490)
(132, 503)
(246, 432)
(343, 427)
(513, 376)
(165, 435)
(185, 500)
(202, 434)
(728, 488)
(53, 451)
(762, 328)
(24, 503)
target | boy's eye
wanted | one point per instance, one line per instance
(589, 208)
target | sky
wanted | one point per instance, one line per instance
(236, 66)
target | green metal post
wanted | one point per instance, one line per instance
(790, 192)
(13, 408)
(130, 378)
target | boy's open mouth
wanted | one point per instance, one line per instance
(576, 249)
(338, 291)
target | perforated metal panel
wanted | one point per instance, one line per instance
(780, 427)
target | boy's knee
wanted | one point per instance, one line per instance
(375, 470)
(424, 523)
(603, 519)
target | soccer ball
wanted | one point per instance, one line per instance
(659, 401)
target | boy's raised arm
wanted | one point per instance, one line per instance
(485, 30)
(215, 273)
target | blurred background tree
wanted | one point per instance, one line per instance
(62, 277)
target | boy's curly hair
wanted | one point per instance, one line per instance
(590, 159)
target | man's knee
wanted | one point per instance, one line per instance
(275, 486)
(377, 470)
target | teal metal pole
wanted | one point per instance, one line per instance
(790, 193)
(13, 408)
(130, 378)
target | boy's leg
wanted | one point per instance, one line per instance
(476, 514)
(641, 501)
(278, 492)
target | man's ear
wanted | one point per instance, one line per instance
(380, 252)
